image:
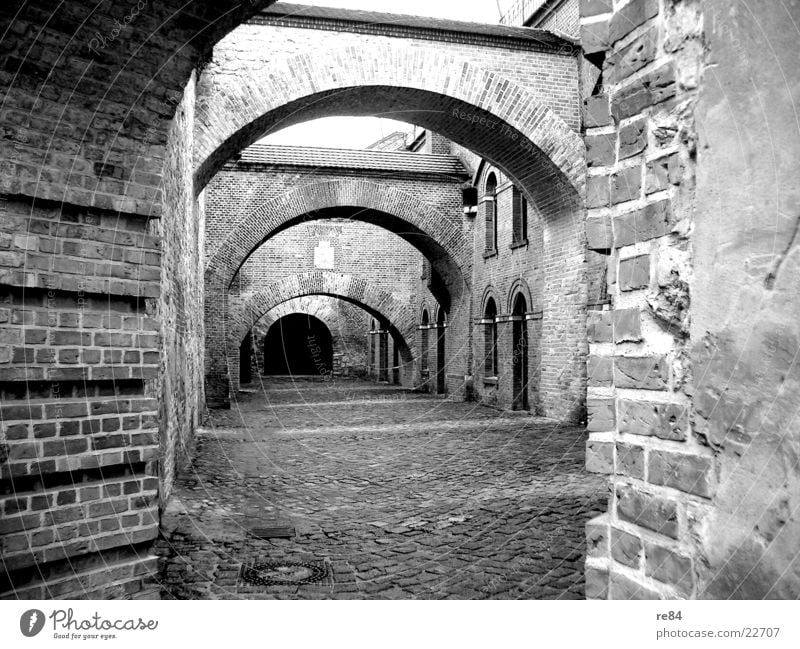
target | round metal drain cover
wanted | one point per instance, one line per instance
(284, 573)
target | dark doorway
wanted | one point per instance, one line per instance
(520, 354)
(395, 363)
(441, 328)
(383, 374)
(245, 359)
(298, 344)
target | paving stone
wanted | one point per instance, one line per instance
(513, 492)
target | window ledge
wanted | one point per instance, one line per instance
(490, 380)
(522, 243)
(489, 253)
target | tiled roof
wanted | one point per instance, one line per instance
(375, 18)
(298, 156)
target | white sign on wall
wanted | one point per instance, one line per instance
(324, 256)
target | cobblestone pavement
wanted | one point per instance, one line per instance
(392, 495)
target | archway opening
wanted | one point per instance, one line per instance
(298, 345)
(245, 360)
(520, 353)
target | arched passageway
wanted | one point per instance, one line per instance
(527, 132)
(298, 344)
(436, 234)
(393, 317)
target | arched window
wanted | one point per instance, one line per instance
(490, 338)
(490, 204)
(520, 218)
(424, 340)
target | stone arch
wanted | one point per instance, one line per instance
(519, 286)
(444, 93)
(488, 294)
(320, 307)
(380, 304)
(418, 222)
(391, 313)
(513, 127)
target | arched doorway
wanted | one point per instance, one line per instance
(441, 328)
(520, 353)
(245, 360)
(298, 344)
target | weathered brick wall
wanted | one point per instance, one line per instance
(88, 91)
(79, 347)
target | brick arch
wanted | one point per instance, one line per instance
(436, 234)
(519, 286)
(445, 93)
(356, 290)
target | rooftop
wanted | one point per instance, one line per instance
(374, 19)
(398, 161)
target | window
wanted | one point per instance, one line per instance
(490, 339)
(490, 204)
(424, 341)
(520, 220)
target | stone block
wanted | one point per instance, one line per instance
(597, 537)
(596, 111)
(627, 325)
(623, 63)
(626, 185)
(663, 173)
(622, 587)
(651, 512)
(634, 273)
(602, 415)
(595, 7)
(688, 473)
(630, 461)
(641, 373)
(601, 150)
(670, 568)
(631, 16)
(650, 90)
(598, 233)
(594, 37)
(600, 457)
(626, 548)
(663, 420)
(597, 191)
(633, 138)
(599, 328)
(600, 371)
(650, 222)
(596, 583)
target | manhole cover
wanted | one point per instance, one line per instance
(285, 573)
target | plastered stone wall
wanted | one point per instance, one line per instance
(745, 310)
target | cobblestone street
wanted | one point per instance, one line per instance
(391, 494)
